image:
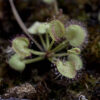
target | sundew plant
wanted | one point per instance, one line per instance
(60, 42)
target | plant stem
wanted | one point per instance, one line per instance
(60, 46)
(22, 25)
(42, 41)
(36, 52)
(56, 9)
(51, 44)
(28, 61)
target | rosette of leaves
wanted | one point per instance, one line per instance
(54, 31)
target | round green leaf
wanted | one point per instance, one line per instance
(76, 60)
(66, 69)
(43, 28)
(75, 34)
(38, 28)
(16, 63)
(20, 46)
(74, 51)
(56, 30)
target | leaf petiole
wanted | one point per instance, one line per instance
(36, 52)
(60, 47)
(28, 61)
